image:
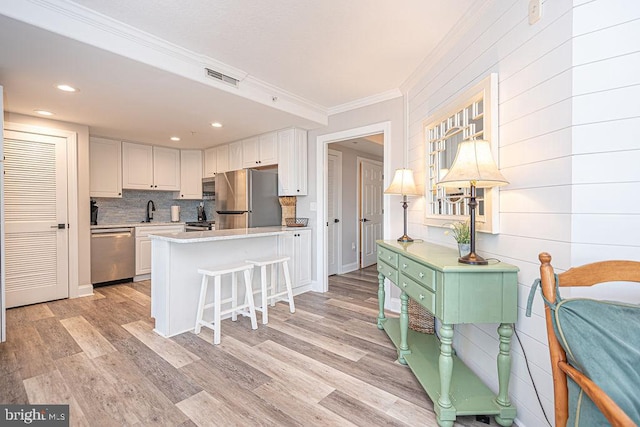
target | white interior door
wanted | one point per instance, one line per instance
(36, 232)
(334, 209)
(371, 190)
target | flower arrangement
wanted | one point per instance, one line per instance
(460, 232)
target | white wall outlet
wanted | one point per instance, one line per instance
(535, 11)
(353, 246)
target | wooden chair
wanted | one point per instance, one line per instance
(586, 275)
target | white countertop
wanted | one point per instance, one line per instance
(135, 224)
(213, 235)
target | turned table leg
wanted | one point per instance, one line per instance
(404, 328)
(445, 366)
(381, 317)
(505, 331)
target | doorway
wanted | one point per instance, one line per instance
(37, 199)
(350, 221)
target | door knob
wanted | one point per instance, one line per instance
(364, 220)
(336, 220)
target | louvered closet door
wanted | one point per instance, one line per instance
(35, 197)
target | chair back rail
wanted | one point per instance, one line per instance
(586, 275)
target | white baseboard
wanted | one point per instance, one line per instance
(142, 277)
(302, 289)
(348, 268)
(84, 291)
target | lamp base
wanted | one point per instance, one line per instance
(473, 259)
(405, 239)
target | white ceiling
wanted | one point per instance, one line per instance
(139, 64)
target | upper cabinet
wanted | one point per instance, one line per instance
(190, 175)
(235, 156)
(292, 162)
(150, 168)
(210, 166)
(105, 167)
(260, 150)
(222, 158)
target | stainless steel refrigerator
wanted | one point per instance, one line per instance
(247, 198)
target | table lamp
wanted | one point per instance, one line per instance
(473, 167)
(404, 185)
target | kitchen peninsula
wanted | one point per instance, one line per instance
(176, 257)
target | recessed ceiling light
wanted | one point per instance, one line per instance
(216, 125)
(175, 138)
(67, 88)
(44, 112)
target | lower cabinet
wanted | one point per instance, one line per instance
(143, 244)
(297, 245)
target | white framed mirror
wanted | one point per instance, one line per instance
(471, 115)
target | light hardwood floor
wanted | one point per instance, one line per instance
(325, 365)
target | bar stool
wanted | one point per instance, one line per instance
(246, 309)
(273, 284)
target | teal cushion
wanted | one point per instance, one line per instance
(602, 340)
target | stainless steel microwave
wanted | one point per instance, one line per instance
(208, 188)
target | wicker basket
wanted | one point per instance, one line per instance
(420, 320)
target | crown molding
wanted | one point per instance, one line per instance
(364, 102)
(79, 23)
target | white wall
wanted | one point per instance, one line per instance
(568, 136)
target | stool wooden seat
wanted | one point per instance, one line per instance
(269, 291)
(245, 309)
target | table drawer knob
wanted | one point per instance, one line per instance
(389, 257)
(421, 275)
(404, 265)
(421, 297)
(404, 285)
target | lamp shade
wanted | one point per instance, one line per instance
(403, 183)
(473, 162)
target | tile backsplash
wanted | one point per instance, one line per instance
(131, 208)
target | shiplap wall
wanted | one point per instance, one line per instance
(569, 138)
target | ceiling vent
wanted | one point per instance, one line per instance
(222, 77)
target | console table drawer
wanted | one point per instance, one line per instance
(419, 293)
(388, 272)
(418, 272)
(388, 256)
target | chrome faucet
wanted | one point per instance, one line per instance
(149, 216)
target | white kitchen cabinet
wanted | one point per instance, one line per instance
(235, 156)
(260, 150)
(143, 244)
(292, 162)
(250, 152)
(145, 167)
(210, 163)
(137, 166)
(297, 245)
(190, 175)
(166, 169)
(222, 158)
(105, 167)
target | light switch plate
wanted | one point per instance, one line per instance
(535, 11)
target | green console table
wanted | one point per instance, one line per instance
(455, 293)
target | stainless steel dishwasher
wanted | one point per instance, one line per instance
(113, 254)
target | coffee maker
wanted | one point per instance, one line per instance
(201, 215)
